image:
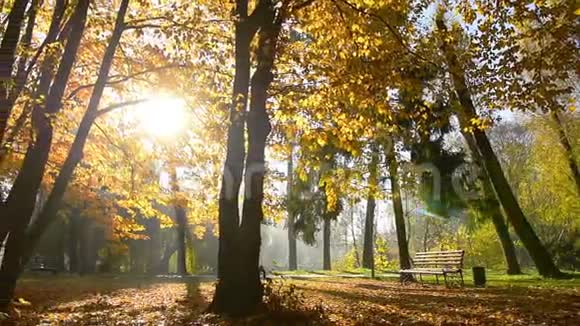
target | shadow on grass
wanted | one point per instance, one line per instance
(400, 302)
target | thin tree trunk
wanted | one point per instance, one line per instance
(354, 245)
(404, 257)
(426, 233)
(491, 208)
(24, 68)
(292, 258)
(22, 198)
(541, 256)
(7, 59)
(565, 142)
(326, 245)
(368, 245)
(73, 241)
(181, 221)
(75, 153)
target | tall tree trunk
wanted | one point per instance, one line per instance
(541, 256)
(292, 258)
(326, 245)
(491, 208)
(258, 124)
(7, 59)
(404, 257)
(369, 245)
(22, 198)
(565, 142)
(228, 213)
(239, 289)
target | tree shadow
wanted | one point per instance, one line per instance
(103, 301)
(401, 303)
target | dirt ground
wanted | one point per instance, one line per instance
(333, 301)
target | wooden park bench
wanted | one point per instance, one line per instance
(437, 263)
(43, 264)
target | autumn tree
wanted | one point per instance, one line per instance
(239, 289)
(468, 114)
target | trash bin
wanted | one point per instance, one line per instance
(479, 276)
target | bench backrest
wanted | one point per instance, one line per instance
(439, 259)
(42, 262)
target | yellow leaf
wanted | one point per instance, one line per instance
(24, 302)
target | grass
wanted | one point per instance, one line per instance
(494, 278)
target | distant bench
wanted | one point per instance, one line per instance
(43, 264)
(437, 263)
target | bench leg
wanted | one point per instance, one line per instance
(437, 278)
(445, 278)
(421, 278)
(461, 274)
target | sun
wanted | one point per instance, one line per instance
(162, 116)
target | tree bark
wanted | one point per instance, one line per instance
(565, 142)
(541, 256)
(73, 241)
(404, 256)
(491, 208)
(292, 258)
(7, 59)
(258, 125)
(153, 246)
(163, 264)
(239, 289)
(181, 222)
(75, 153)
(326, 245)
(22, 198)
(354, 245)
(369, 245)
(46, 75)
(228, 213)
(10, 268)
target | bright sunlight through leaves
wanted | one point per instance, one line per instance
(162, 116)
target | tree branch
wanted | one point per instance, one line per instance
(117, 106)
(304, 4)
(122, 79)
(390, 28)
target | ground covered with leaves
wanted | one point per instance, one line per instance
(326, 301)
